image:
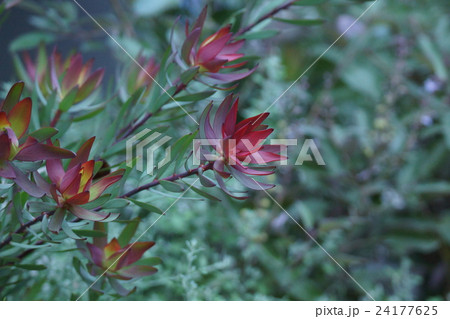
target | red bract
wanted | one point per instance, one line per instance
(138, 77)
(38, 70)
(76, 187)
(15, 115)
(214, 53)
(65, 76)
(238, 144)
(119, 262)
(71, 74)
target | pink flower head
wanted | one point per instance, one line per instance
(238, 144)
(76, 187)
(15, 115)
(119, 262)
(215, 53)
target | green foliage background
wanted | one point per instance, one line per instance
(377, 106)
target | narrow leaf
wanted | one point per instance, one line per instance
(172, 187)
(146, 206)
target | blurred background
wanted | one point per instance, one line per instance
(376, 105)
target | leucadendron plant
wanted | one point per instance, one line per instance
(214, 54)
(60, 191)
(15, 116)
(77, 186)
(238, 144)
(67, 76)
(119, 259)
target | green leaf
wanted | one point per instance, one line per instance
(206, 181)
(33, 292)
(31, 267)
(29, 246)
(97, 166)
(68, 100)
(116, 203)
(180, 146)
(13, 96)
(436, 188)
(98, 202)
(39, 207)
(195, 97)
(5, 186)
(163, 99)
(89, 115)
(119, 288)
(4, 253)
(304, 22)
(146, 206)
(68, 231)
(153, 8)
(203, 193)
(171, 186)
(30, 40)
(86, 276)
(89, 233)
(309, 2)
(433, 56)
(150, 261)
(44, 133)
(257, 35)
(128, 232)
(446, 128)
(189, 75)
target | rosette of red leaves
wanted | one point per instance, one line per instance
(238, 146)
(15, 115)
(76, 186)
(71, 74)
(142, 77)
(66, 76)
(215, 53)
(119, 259)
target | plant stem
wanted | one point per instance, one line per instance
(24, 227)
(266, 16)
(170, 179)
(134, 127)
(130, 129)
(56, 118)
(156, 182)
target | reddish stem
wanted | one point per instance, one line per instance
(156, 182)
(56, 118)
(130, 129)
(266, 16)
(170, 179)
(24, 227)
